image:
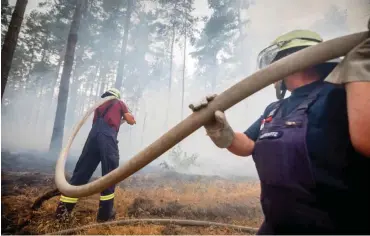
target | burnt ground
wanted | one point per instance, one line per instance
(143, 195)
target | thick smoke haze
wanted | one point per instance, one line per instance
(24, 127)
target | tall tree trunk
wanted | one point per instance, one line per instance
(121, 63)
(143, 132)
(87, 100)
(102, 86)
(32, 114)
(134, 112)
(50, 95)
(183, 73)
(242, 51)
(4, 6)
(103, 80)
(81, 105)
(214, 76)
(94, 87)
(74, 85)
(27, 103)
(40, 115)
(10, 41)
(73, 100)
(58, 130)
(60, 61)
(43, 84)
(97, 75)
(170, 78)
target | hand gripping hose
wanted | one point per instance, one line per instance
(276, 71)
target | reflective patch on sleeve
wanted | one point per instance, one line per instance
(271, 135)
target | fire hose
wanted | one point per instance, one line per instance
(295, 62)
(244, 229)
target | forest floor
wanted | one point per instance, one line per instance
(143, 195)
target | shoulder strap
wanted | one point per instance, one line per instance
(275, 107)
(310, 99)
(107, 108)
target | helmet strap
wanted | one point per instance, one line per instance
(280, 89)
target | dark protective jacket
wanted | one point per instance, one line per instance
(304, 194)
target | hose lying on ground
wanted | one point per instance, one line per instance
(295, 62)
(244, 229)
(46, 196)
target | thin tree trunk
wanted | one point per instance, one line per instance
(121, 63)
(102, 87)
(103, 75)
(4, 6)
(183, 74)
(76, 82)
(58, 130)
(80, 110)
(88, 99)
(27, 103)
(50, 95)
(143, 132)
(10, 41)
(41, 108)
(60, 61)
(241, 52)
(43, 84)
(97, 75)
(73, 101)
(213, 78)
(95, 88)
(134, 109)
(32, 114)
(170, 78)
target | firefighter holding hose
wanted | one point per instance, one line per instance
(311, 156)
(100, 147)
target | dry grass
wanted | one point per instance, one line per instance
(222, 201)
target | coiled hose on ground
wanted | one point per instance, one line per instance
(243, 229)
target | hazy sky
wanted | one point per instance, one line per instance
(268, 19)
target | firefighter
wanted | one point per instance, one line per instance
(313, 179)
(354, 73)
(100, 147)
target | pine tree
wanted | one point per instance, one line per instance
(58, 130)
(10, 42)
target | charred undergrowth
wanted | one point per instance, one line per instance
(158, 194)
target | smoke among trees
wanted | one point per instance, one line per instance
(162, 55)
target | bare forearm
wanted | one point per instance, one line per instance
(241, 145)
(129, 118)
(358, 105)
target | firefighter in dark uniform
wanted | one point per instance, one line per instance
(100, 147)
(313, 179)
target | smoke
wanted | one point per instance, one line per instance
(26, 127)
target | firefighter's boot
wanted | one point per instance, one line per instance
(64, 210)
(65, 207)
(106, 211)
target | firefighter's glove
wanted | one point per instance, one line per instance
(218, 129)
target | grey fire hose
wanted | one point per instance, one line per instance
(296, 62)
(181, 222)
